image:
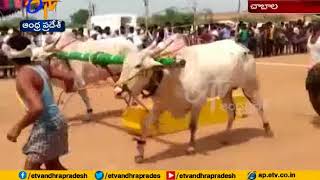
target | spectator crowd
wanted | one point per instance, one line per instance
(263, 39)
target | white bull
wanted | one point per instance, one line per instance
(85, 72)
(211, 70)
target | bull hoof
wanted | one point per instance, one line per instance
(268, 131)
(269, 134)
(88, 116)
(138, 159)
(191, 150)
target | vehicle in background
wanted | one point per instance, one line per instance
(114, 21)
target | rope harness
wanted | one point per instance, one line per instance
(104, 59)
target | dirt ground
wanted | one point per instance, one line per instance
(104, 144)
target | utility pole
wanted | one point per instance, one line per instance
(194, 8)
(91, 8)
(239, 10)
(22, 9)
(146, 6)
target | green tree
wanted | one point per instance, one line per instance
(172, 16)
(80, 17)
(13, 22)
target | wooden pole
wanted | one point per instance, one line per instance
(22, 9)
(194, 7)
(146, 5)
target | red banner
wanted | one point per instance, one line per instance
(284, 6)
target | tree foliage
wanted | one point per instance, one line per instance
(173, 17)
(13, 22)
(80, 17)
(264, 18)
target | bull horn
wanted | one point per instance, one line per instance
(150, 47)
(52, 46)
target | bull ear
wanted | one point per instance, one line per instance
(149, 49)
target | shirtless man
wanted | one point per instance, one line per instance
(49, 137)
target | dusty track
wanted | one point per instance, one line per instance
(103, 144)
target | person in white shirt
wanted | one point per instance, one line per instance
(99, 36)
(130, 34)
(134, 37)
(137, 39)
(95, 35)
(123, 32)
(215, 33)
(8, 35)
(296, 30)
(106, 33)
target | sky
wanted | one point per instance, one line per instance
(67, 7)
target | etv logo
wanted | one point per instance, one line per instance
(171, 175)
(34, 6)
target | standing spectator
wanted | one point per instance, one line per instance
(206, 36)
(116, 33)
(134, 37)
(226, 32)
(142, 29)
(296, 34)
(233, 35)
(265, 33)
(244, 35)
(100, 31)
(80, 34)
(289, 36)
(270, 42)
(75, 32)
(252, 43)
(215, 33)
(106, 33)
(160, 36)
(93, 34)
(260, 44)
(123, 31)
(40, 39)
(167, 29)
(130, 34)
(96, 34)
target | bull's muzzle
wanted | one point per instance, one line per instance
(118, 91)
(121, 91)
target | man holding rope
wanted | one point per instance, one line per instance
(49, 137)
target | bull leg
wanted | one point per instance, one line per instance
(152, 117)
(85, 98)
(255, 99)
(193, 128)
(230, 107)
